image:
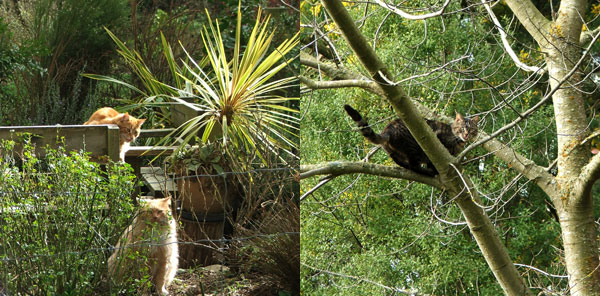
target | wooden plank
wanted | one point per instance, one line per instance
(113, 140)
(183, 110)
(188, 102)
(152, 133)
(99, 140)
(157, 181)
(136, 151)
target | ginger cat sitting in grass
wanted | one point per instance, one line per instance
(148, 245)
(129, 126)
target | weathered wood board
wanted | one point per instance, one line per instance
(157, 181)
(183, 111)
(99, 140)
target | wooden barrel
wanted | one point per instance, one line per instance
(204, 204)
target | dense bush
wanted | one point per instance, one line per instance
(59, 217)
(58, 39)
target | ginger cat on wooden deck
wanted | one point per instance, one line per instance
(129, 126)
(149, 245)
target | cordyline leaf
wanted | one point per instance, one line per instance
(134, 60)
(204, 89)
(271, 87)
(170, 60)
(236, 49)
(110, 79)
(208, 130)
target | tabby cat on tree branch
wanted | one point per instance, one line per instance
(402, 147)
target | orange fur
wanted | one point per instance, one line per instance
(151, 242)
(129, 126)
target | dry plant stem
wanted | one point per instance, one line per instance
(481, 227)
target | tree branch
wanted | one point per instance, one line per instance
(479, 223)
(394, 290)
(321, 44)
(433, 148)
(570, 18)
(523, 165)
(507, 46)
(532, 19)
(590, 173)
(337, 168)
(339, 73)
(312, 84)
(484, 138)
(409, 16)
(587, 36)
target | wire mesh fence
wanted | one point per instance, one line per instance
(61, 219)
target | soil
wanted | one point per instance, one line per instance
(215, 280)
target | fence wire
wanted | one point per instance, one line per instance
(206, 243)
(133, 245)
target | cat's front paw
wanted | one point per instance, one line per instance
(164, 291)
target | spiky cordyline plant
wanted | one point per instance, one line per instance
(239, 100)
(237, 97)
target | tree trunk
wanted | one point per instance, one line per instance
(575, 207)
(581, 250)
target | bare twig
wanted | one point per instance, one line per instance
(409, 16)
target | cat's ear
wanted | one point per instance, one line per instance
(459, 117)
(475, 119)
(165, 202)
(124, 117)
(140, 121)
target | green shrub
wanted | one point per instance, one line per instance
(59, 218)
(52, 42)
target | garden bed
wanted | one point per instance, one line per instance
(220, 280)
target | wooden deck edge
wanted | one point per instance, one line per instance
(135, 151)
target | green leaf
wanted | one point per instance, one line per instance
(219, 169)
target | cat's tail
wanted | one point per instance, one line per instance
(364, 127)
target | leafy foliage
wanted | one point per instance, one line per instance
(59, 217)
(239, 98)
(53, 41)
(209, 156)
